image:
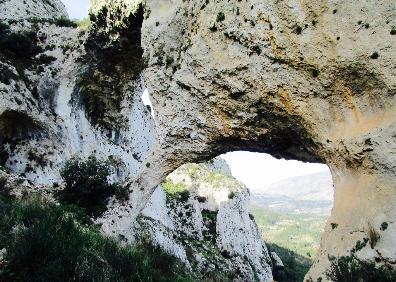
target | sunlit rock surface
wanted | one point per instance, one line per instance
(313, 82)
(300, 80)
(45, 109)
(209, 227)
(22, 9)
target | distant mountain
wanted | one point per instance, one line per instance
(303, 194)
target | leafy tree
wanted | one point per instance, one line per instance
(87, 185)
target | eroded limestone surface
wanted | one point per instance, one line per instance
(313, 81)
(22, 9)
(201, 214)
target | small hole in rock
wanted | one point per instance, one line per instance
(374, 56)
(298, 30)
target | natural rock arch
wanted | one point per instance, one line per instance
(313, 82)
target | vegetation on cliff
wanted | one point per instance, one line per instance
(351, 269)
(112, 62)
(295, 265)
(42, 241)
(87, 185)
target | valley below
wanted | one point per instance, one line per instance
(291, 215)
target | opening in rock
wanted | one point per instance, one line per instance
(290, 202)
(212, 210)
(147, 102)
(16, 126)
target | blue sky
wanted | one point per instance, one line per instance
(77, 9)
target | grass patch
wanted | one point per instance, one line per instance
(175, 190)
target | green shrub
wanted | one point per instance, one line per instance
(61, 21)
(209, 215)
(220, 17)
(19, 45)
(65, 22)
(45, 59)
(175, 190)
(384, 226)
(86, 184)
(350, 269)
(231, 195)
(121, 192)
(47, 242)
(3, 182)
(4, 28)
(201, 199)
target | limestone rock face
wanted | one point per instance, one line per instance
(300, 80)
(47, 97)
(22, 9)
(206, 223)
(296, 79)
(66, 92)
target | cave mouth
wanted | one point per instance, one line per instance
(15, 128)
(290, 201)
(18, 126)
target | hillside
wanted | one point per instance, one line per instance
(311, 194)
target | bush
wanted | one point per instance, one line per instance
(62, 21)
(19, 45)
(220, 17)
(121, 192)
(65, 22)
(47, 242)
(86, 184)
(177, 191)
(350, 269)
(4, 28)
